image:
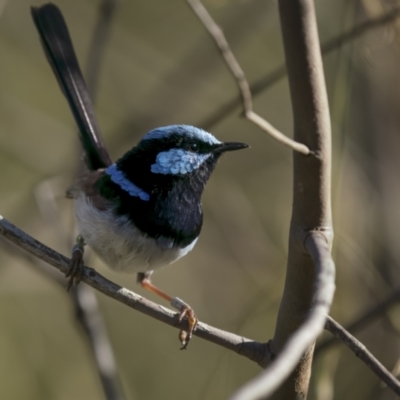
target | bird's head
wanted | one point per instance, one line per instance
(173, 154)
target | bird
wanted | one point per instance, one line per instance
(144, 211)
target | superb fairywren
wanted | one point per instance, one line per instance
(144, 211)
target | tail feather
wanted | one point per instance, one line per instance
(61, 56)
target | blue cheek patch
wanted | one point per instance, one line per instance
(119, 178)
(177, 161)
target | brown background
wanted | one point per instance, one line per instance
(159, 68)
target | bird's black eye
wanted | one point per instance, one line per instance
(192, 146)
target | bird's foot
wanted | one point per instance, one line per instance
(185, 311)
(75, 269)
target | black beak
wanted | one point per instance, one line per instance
(230, 146)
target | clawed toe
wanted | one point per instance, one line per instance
(186, 335)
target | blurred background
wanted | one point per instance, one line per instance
(160, 67)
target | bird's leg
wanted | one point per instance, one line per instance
(184, 309)
(76, 265)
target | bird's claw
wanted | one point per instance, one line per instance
(75, 270)
(186, 335)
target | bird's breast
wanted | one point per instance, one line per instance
(119, 243)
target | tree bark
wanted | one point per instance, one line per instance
(311, 210)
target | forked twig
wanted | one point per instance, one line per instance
(280, 72)
(234, 67)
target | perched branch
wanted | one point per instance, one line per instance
(250, 349)
(280, 72)
(374, 312)
(363, 354)
(216, 33)
(280, 368)
(89, 317)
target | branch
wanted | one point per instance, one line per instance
(280, 72)
(248, 348)
(311, 223)
(272, 377)
(363, 354)
(368, 316)
(216, 33)
(89, 317)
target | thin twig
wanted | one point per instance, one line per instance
(248, 348)
(234, 67)
(374, 312)
(91, 320)
(280, 368)
(363, 354)
(280, 72)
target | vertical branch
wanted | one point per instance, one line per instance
(311, 178)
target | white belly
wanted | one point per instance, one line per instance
(119, 244)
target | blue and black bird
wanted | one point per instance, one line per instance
(144, 211)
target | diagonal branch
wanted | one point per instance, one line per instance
(248, 348)
(280, 368)
(374, 312)
(280, 72)
(363, 354)
(234, 67)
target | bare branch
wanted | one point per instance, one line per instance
(248, 348)
(272, 377)
(90, 318)
(363, 354)
(216, 33)
(280, 72)
(374, 312)
(311, 223)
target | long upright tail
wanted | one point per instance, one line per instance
(60, 54)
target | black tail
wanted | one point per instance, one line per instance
(60, 54)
